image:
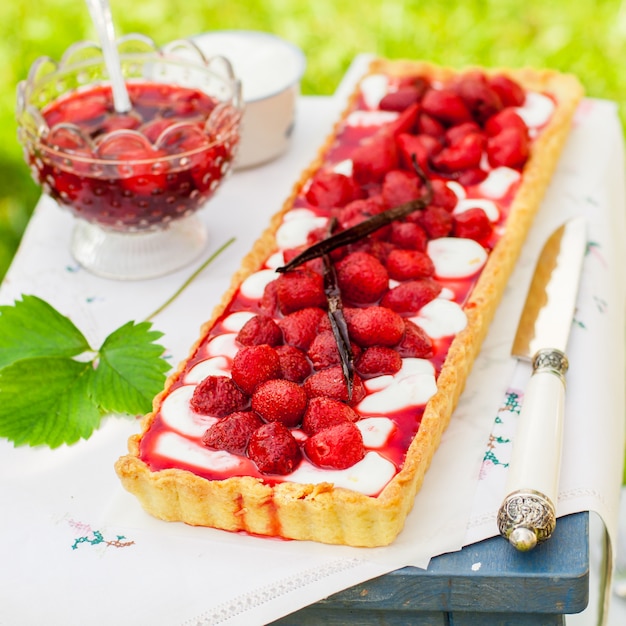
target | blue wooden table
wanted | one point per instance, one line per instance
(487, 583)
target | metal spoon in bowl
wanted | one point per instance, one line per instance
(100, 11)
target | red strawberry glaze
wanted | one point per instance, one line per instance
(404, 416)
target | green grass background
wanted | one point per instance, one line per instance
(581, 36)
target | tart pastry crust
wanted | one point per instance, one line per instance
(322, 512)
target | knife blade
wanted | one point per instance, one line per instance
(527, 515)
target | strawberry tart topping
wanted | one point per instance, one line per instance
(384, 243)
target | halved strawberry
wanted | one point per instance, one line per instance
(464, 154)
(336, 447)
(422, 146)
(480, 98)
(409, 235)
(274, 449)
(401, 99)
(437, 222)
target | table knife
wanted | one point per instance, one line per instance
(527, 515)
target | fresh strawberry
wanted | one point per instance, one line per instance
(374, 326)
(373, 158)
(293, 363)
(377, 361)
(437, 222)
(472, 224)
(232, 432)
(323, 412)
(470, 176)
(506, 118)
(400, 187)
(408, 235)
(337, 447)
(260, 329)
(254, 365)
(510, 92)
(401, 99)
(510, 148)
(324, 352)
(360, 210)
(411, 296)
(330, 189)
(362, 278)
(430, 125)
(300, 289)
(460, 156)
(443, 196)
(408, 264)
(280, 400)
(274, 449)
(268, 304)
(218, 396)
(331, 383)
(299, 328)
(422, 146)
(405, 122)
(454, 134)
(446, 106)
(415, 342)
(480, 98)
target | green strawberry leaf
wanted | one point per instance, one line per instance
(43, 401)
(32, 328)
(130, 371)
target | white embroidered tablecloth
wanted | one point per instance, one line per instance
(76, 548)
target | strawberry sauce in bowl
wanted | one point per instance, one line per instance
(143, 172)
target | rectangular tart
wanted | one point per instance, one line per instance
(268, 427)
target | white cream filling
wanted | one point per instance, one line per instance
(223, 345)
(375, 431)
(441, 318)
(294, 232)
(373, 88)
(362, 119)
(215, 366)
(254, 285)
(455, 257)
(413, 385)
(236, 321)
(368, 476)
(498, 182)
(176, 412)
(536, 110)
(488, 206)
(173, 446)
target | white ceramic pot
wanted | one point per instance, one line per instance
(270, 70)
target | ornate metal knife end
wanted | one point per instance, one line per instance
(526, 518)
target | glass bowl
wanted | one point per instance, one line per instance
(134, 180)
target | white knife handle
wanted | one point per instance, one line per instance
(528, 515)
